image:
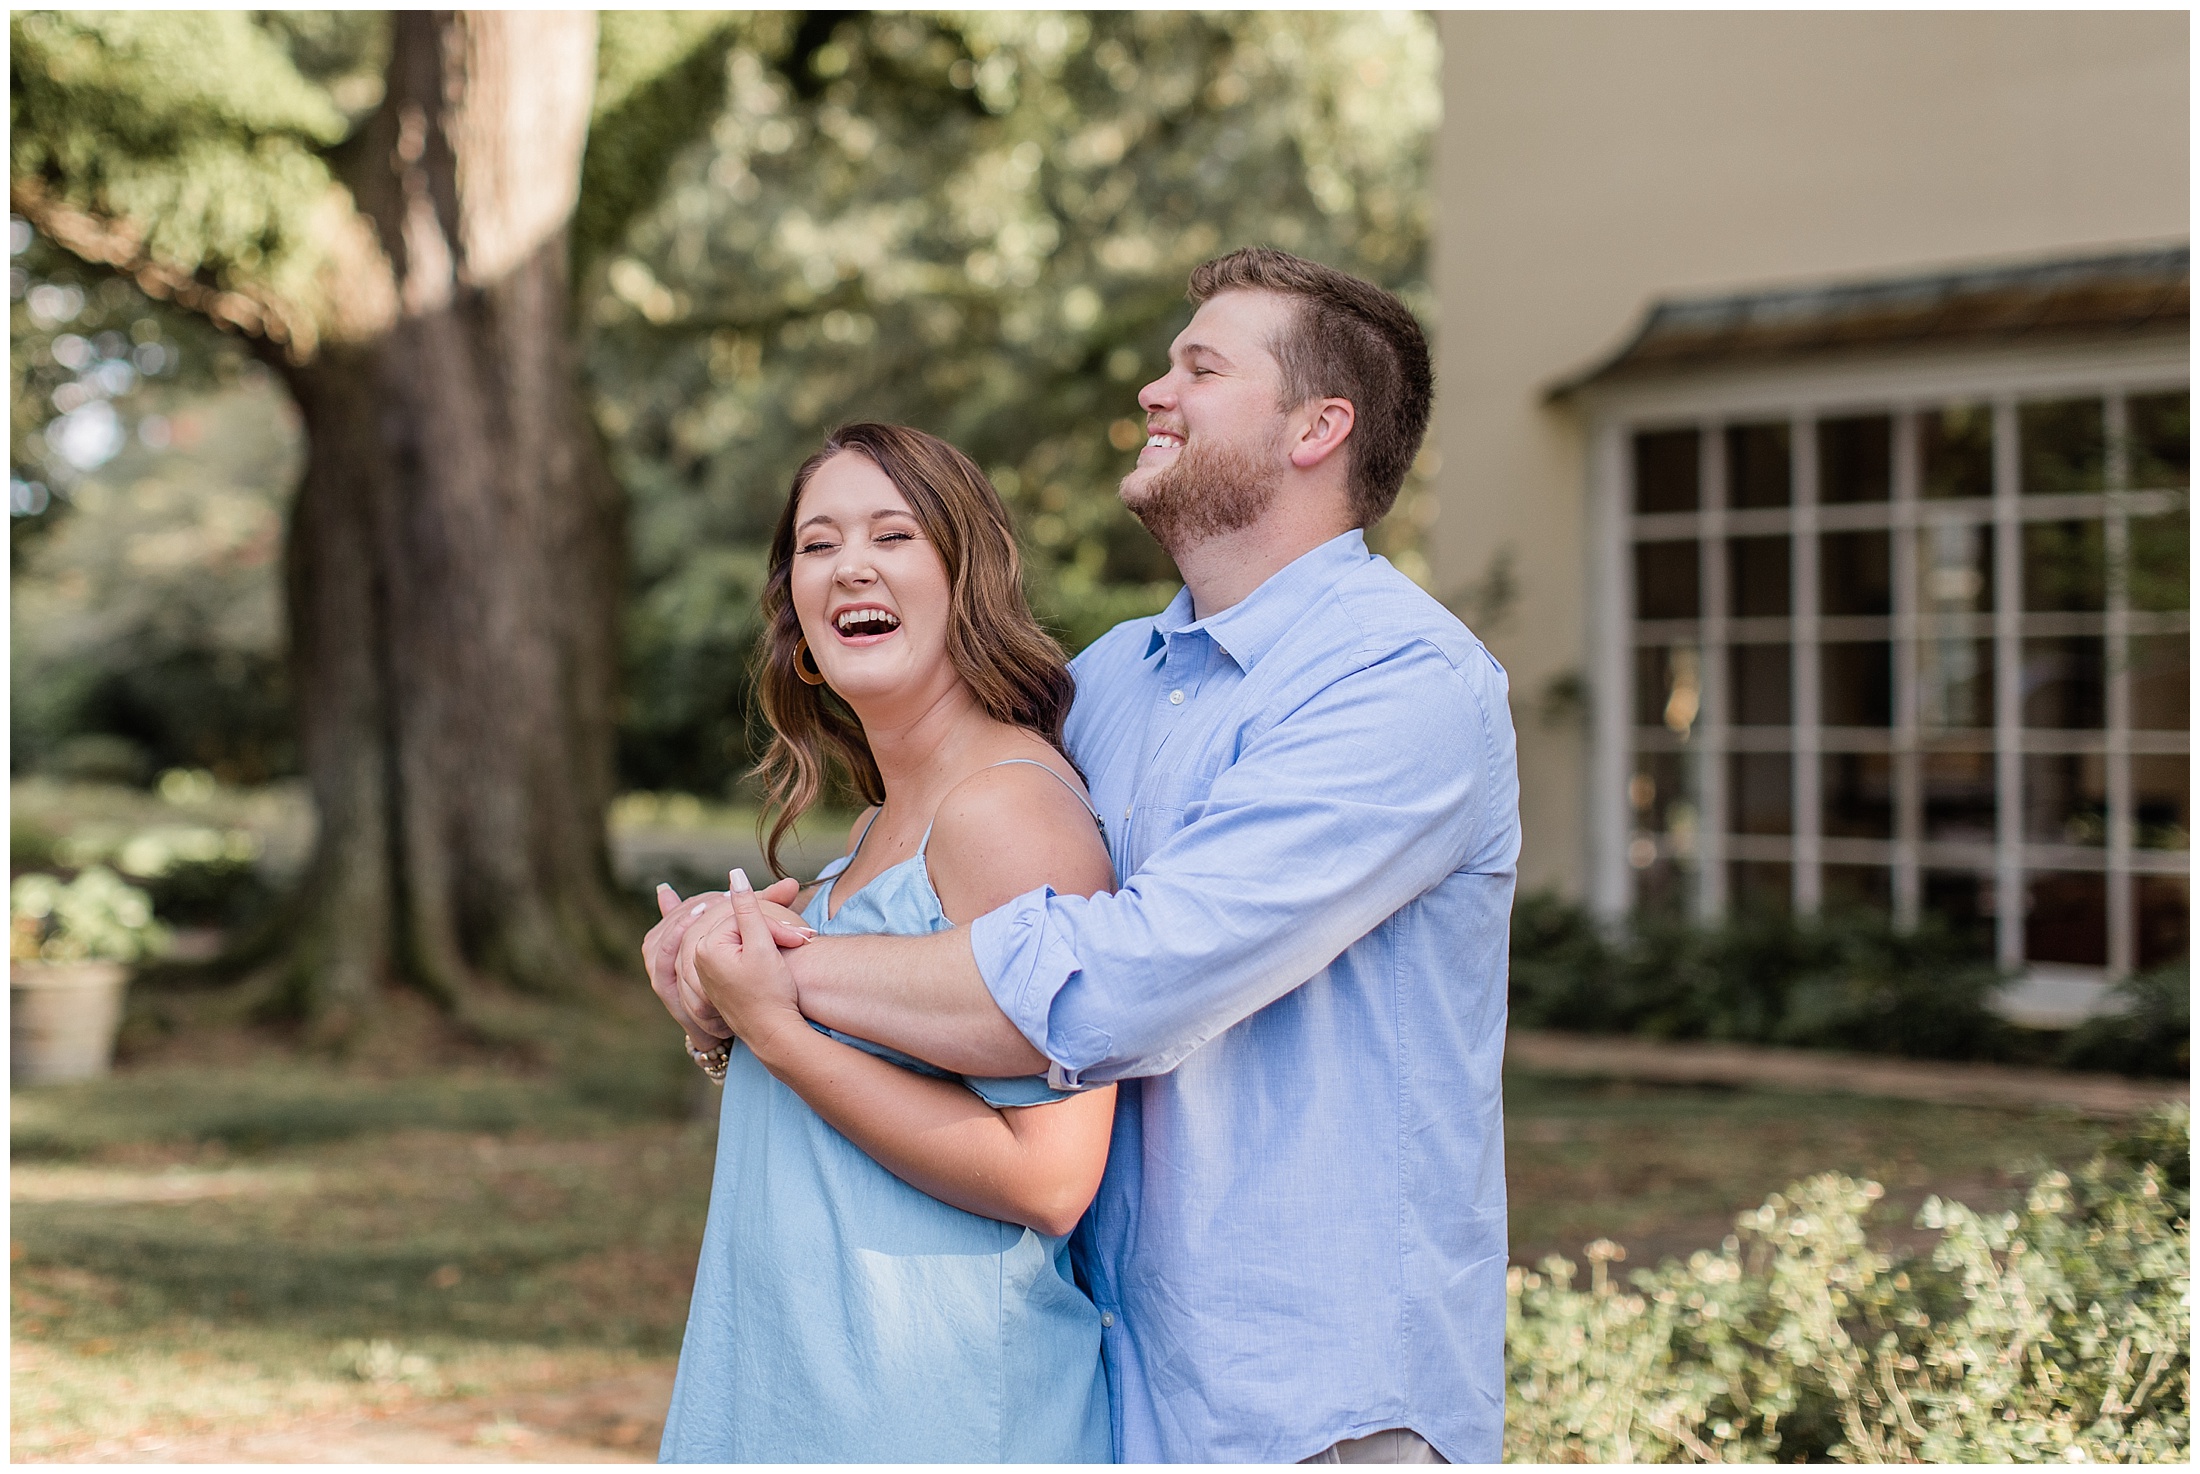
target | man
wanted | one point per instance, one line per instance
(1306, 770)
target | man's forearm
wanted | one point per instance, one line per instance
(920, 995)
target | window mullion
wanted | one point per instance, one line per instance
(1711, 721)
(1908, 764)
(2008, 694)
(2116, 535)
(1804, 604)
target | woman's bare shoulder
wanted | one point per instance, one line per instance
(1009, 829)
(855, 830)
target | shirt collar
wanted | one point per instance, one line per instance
(1248, 629)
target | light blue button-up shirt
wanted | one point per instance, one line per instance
(1312, 802)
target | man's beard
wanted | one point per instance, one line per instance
(1206, 491)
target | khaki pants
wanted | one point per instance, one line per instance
(1391, 1446)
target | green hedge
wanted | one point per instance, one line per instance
(2055, 1333)
(1847, 980)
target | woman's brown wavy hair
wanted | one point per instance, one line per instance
(1016, 670)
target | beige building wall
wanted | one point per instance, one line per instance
(1589, 164)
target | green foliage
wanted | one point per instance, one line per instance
(196, 126)
(2055, 1333)
(980, 225)
(148, 607)
(96, 917)
(658, 72)
(2149, 1034)
(1848, 980)
(90, 361)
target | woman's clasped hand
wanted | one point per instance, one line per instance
(729, 957)
(683, 996)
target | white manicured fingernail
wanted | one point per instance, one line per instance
(700, 908)
(740, 879)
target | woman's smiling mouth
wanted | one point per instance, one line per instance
(863, 622)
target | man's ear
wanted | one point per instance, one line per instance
(1323, 434)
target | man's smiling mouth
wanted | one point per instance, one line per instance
(856, 624)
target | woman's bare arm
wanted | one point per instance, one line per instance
(997, 835)
(1034, 1165)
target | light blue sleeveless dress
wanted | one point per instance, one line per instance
(841, 1315)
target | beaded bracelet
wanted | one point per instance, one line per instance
(713, 1063)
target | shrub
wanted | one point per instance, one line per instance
(2056, 1332)
(1848, 980)
(2150, 1034)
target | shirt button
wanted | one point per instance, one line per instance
(1107, 1319)
(1176, 698)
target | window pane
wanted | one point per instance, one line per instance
(1661, 795)
(1962, 902)
(2161, 800)
(2159, 563)
(2161, 685)
(1956, 445)
(2066, 918)
(1668, 687)
(2165, 919)
(1855, 459)
(1853, 573)
(2065, 567)
(1757, 465)
(2159, 429)
(1665, 471)
(1857, 887)
(1955, 568)
(1859, 795)
(1758, 685)
(2066, 798)
(1955, 684)
(1755, 885)
(1856, 684)
(2063, 446)
(2062, 683)
(1959, 797)
(1666, 580)
(1760, 793)
(1757, 577)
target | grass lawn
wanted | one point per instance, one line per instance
(269, 1259)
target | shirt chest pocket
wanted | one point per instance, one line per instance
(1166, 800)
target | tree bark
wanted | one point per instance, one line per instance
(455, 555)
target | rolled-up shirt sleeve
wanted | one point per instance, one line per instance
(1367, 794)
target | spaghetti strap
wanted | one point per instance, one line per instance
(1057, 777)
(1098, 822)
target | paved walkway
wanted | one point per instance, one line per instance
(1820, 1072)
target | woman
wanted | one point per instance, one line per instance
(885, 1273)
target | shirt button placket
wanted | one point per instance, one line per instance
(1176, 697)
(1107, 1319)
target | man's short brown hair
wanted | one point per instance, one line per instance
(1352, 340)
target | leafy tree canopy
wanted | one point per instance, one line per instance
(980, 224)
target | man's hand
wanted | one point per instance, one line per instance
(729, 955)
(660, 950)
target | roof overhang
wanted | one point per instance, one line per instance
(2127, 293)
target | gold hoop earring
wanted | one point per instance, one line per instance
(805, 664)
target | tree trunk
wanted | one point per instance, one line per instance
(455, 556)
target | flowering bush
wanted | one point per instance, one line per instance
(95, 917)
(2055, 1333)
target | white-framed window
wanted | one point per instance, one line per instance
(1901, 633)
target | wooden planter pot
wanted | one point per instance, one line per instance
(62, 1019)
